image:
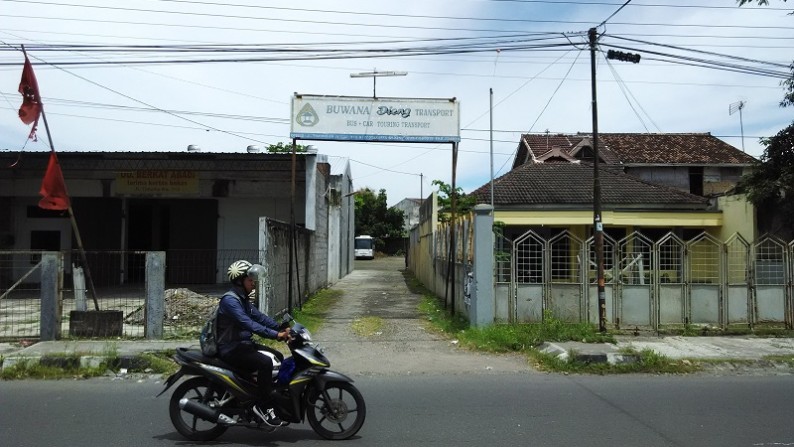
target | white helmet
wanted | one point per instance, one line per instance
(238, 270)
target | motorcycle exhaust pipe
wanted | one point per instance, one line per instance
(204, 412)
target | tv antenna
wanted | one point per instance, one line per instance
(375, 74)
(738, 105)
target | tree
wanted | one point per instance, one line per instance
(463, 203)
(770, 184)
(374, 218)
(282, 148)
(788, 84)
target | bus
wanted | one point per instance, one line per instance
(365, 247)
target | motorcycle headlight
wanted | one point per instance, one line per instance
(306, 335)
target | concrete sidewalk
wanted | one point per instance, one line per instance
(675, 347)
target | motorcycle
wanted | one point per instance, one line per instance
(216, 396)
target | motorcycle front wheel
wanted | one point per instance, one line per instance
(200, 390)
(337, 411)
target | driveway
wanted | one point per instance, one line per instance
(403, 345)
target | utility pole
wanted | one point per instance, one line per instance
(598, 225)
(491, 138)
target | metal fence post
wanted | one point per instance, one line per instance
(155, 294)
(482, 300)
(264, 287)
(51, 299)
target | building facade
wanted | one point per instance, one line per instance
(203, 209)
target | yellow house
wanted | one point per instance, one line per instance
(672, 229)
(652, 183)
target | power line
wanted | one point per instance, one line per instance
(635, 5)
(710, 53)
(303, 57)
(378, 25)
(613, 14)
(626, 93)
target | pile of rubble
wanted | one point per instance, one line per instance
(183, 307)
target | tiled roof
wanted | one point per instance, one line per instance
(642, 148)
(570, 186)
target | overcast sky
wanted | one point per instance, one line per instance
(533, 54)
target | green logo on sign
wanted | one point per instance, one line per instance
(307, 116)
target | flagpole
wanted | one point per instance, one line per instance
(75, 229)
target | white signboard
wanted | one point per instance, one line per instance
(353, 118)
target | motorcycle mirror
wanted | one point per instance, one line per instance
(285, 320)
(256, 272)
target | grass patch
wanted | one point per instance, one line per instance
(157, 363)
(34, 369)
(524, 338)
(182, 334)
(508, 337)
(67, 366)
(312, 313)
(367, 326)
(49, 368)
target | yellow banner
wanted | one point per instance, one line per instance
(157, 182)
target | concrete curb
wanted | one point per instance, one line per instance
(573, 355)
(67, 361)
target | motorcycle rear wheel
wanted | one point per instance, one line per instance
(336, 412)
(201, 390)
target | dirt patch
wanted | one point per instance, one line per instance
(183, 307)
(403, 345)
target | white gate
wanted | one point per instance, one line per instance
(529, 265)
(635, 282)
(670, 282)
(704, 269)
(770, 260)
(738, 301)
(566, 282)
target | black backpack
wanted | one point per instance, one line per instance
(209, 334)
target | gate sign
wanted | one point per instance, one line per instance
(355, 118)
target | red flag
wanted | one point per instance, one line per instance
(53, 187)
(30, 110)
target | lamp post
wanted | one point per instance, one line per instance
(375, 74)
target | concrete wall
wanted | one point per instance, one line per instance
(316, 267)
(410, 209)
(716, 179)
(340, 231)
(738, 217)
(675, 176)
(422, 250)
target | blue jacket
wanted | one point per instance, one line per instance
(236, 311)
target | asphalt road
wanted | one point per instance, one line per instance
(421, 389)
(516, 409)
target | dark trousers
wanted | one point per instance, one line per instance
(246, 356)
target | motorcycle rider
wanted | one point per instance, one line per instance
(238, 349)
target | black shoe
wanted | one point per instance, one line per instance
(268, 416)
